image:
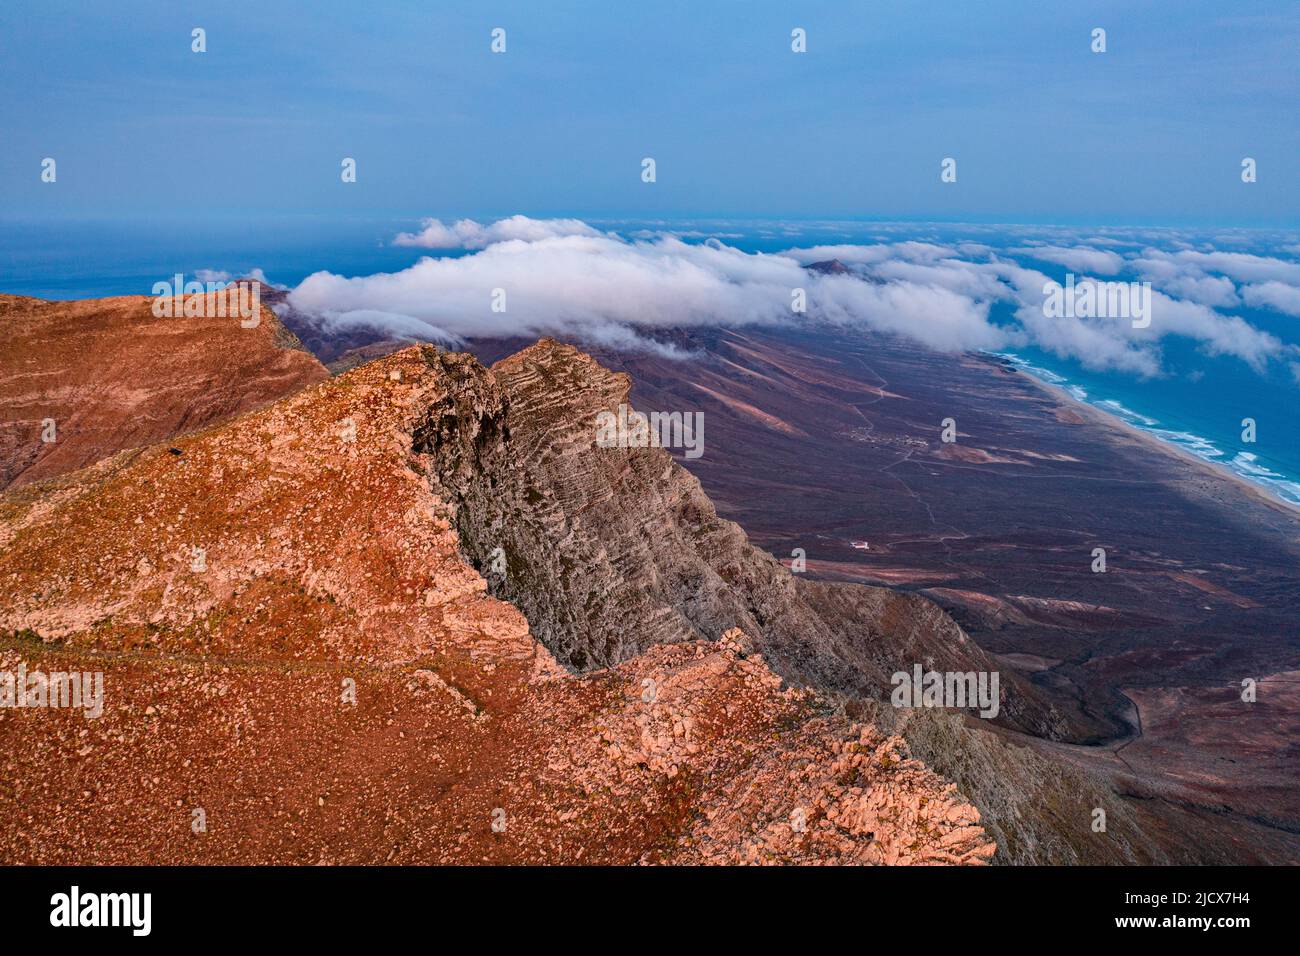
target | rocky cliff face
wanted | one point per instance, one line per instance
(299, 665)
(608, 551)
(109, 375)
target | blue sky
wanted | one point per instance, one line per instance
(1044, 130)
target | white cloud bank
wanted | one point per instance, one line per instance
(1277, 296)
(1079, 259)
(220, 275)
(563, 277)
(468, 234)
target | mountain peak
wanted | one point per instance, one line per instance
(830, 267)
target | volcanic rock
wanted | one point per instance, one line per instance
(110, 375)
(300, 666)
(610, 550)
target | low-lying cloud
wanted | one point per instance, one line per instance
(527, 277)
(1277, 296)
(468, 234)
(1078, 259)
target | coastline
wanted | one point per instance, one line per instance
(1099, 416)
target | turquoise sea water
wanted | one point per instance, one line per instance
(1198, 401)
(1204, 428)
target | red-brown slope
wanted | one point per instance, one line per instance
(111, 376)
(327, 563)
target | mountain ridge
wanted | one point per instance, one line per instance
(109, 374)
(327, 558)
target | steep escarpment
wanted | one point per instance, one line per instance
(83, 380)
(299, 667)
(610, 550)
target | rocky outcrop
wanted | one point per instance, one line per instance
(610, 550)
(300, 667)
(829, 267)
(847, 793)
(80, 381)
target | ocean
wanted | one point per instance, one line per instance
(1197, 401)
(1186, 422)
